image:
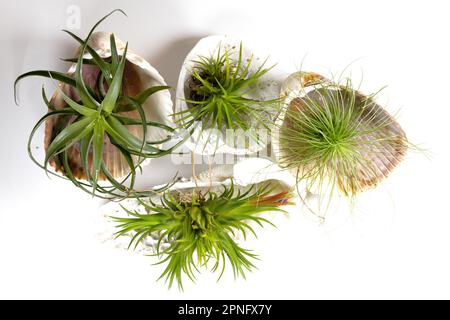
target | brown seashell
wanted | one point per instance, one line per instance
(388, 145)
(138, 75)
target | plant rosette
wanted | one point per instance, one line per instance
(333, 138)
(228, 96)
(110, 114)
(201, 223)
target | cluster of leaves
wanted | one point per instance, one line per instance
(201, 228)
(218, 93)
(96, 117)
(330, 135)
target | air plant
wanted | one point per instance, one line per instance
(201, 226)
(333, 137)
(95, 123)
(218, 93)
(227, 88)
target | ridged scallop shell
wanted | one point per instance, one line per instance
(138, 75)
(385, 154)
(202, 142)
(246, 172)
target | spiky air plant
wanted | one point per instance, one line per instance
(218, 89)
(224, 86)
(201, 226)
(333, 137)
(96, 119)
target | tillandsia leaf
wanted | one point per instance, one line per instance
(114, 54)
(69, 135)
(335, 138)
(81, 109)
(141, 112)
(218, 93)
(62, 77)
(47, 102)
(101, 191)
(201, 226)
(104, 193)
(109, 103)
(133, 121)
(127, 156)
(100, 83)
(75, 60)
(125, 139)
(65, 111)
(89, 121)
(104, 67)
(85, 96)
(145, 94)
(123, 103)
(85, 146)
(97, 158)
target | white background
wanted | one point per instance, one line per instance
(395, 245)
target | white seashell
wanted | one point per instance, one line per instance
(138, 75)
(243, 174)
(207, 142)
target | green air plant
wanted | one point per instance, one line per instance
(219, 92)
(201, 227)
(333, 137)
(98, 122)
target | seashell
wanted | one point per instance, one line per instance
(247, 172)
(206, 142)
(138, 75)
(383, 155)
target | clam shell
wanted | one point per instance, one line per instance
(244, 173)
(385, 154)
(138, 75)
(210, 143)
